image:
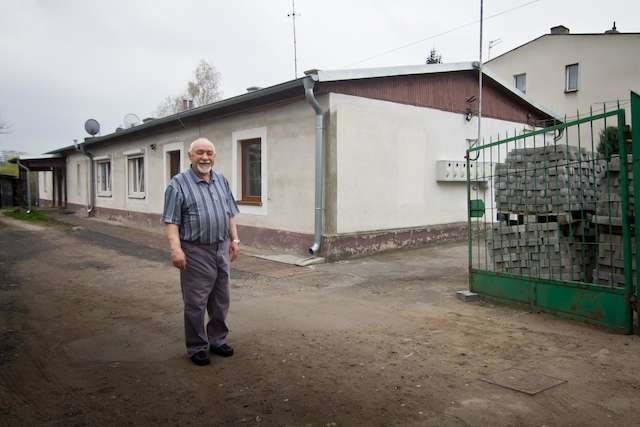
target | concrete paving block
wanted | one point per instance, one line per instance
(467, 296)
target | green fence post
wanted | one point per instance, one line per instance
(626, 235)
(470, 248)
(635, 149)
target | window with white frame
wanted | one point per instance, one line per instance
(521, 82)
(104, 177)
(135, 176)
(571, 78)
(173, 159)
(249, 166)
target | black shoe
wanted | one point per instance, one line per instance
(223, 350)
(201, 358)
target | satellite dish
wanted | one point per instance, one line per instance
(130, 120)
(92, 127)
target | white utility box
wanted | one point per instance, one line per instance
(456, 171)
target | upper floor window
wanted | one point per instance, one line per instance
(571, 78)
(521, 82)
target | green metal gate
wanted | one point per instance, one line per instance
(551, 217)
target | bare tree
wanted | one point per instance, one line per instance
(170, 105)
(434, 57)
(204, 89)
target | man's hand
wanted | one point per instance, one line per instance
(234, 250)
(178, 259)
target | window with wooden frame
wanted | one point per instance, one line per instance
(174, 162)
(251, 171)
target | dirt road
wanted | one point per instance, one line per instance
(91, 334)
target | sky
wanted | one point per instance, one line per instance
(65, 61)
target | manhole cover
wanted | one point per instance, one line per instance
(523, 381)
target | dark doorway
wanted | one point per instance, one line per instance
(174, 163)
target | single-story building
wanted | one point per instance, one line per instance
(337, 162)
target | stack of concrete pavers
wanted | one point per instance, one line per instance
(609, 269)
(544, 198)
(544, 250)
(550, 179)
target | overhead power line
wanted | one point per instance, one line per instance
(386, 52)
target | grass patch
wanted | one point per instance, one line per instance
(18, 213)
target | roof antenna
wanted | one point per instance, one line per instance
(293, 15)
(613, 30)
(492, 43)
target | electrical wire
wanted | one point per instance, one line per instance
(386, 52)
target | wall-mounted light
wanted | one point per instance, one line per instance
(153, 146)
(468, 115)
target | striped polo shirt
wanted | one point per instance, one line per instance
(201, 209)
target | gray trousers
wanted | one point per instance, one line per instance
(205, 287)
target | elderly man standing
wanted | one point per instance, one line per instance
(199, 212)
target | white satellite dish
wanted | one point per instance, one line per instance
(130, 120)
(92, 127)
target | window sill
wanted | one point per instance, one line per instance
(248, 203)
(104, 194)
(570, 91)
(136, 196)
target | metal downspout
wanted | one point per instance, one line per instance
(28, 185)
(92, 173)
(309, 83)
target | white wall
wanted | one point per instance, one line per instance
(45, 188)
(386, 155)
(288, 131)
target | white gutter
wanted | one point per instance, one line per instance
(92, 176)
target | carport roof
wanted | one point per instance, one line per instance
(42, 162)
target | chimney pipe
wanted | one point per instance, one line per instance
(559, 29)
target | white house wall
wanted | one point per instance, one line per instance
(609, 68)
(385, 164)
(77, 184)
(45, 189)
(290, 138)
(289, 131)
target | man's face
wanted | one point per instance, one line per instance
(202, 157)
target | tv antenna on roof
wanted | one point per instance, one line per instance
(492, 43)
(92, 127)
(130, 120)
(293, 15)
